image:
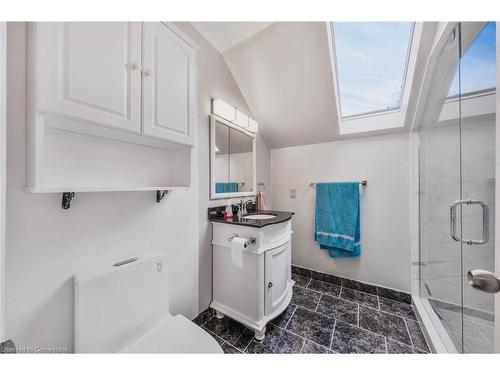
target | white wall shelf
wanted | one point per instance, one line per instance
(96, 189)
(95, 130)
(68, 193)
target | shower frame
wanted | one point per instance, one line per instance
(437, 335)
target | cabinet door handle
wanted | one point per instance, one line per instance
(147, 73)
(270, 285)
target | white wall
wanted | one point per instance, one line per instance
(3, 125)
(47, 245)
(415, 213)
(385, 227)
(215, 81)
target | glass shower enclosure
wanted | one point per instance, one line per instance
(456, 188)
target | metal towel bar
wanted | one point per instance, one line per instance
(362, 183)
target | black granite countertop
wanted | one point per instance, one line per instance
(281, 217)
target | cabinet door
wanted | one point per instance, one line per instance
(278, 265)
(169, 84)
(89, 71)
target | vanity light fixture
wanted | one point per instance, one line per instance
(233, 115)
(224, 110)
(253, 125)
(241, 119)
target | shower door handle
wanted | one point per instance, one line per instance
(453, 221)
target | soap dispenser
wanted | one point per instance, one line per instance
(228, 213)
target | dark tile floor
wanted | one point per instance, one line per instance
(328, 314)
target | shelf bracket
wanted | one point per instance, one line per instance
(66, 200)
(160, 194)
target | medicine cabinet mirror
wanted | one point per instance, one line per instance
(232, 160)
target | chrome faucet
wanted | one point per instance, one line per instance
(242, 208)
(242, 211)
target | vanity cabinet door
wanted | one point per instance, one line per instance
(278, 274)
(169, 84)
(88, 71)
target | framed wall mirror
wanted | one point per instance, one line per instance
(232, 160)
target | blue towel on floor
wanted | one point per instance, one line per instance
(337, 218)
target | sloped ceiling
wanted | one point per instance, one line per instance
(224, 35)
(285, 76)
(284, 73)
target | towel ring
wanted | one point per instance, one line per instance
(261, 187)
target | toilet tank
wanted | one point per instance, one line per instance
(116, 302)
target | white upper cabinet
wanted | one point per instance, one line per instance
(169, 84)
(137, 77)
(111, 106)
(89, 71)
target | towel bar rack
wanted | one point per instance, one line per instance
(362, 183)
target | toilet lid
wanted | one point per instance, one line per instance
(175, 334)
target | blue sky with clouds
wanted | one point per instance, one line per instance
(478, 65)
(371, 59)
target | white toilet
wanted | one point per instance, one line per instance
(123, 307)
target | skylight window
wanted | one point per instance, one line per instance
(478, 64)
(371, 62)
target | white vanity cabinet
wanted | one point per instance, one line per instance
(277, 269)
(261, 288)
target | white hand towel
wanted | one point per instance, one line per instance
(237, 247)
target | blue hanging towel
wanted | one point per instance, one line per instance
(337, 218)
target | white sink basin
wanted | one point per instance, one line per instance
(259, 216)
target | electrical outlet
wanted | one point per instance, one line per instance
(293, 193)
